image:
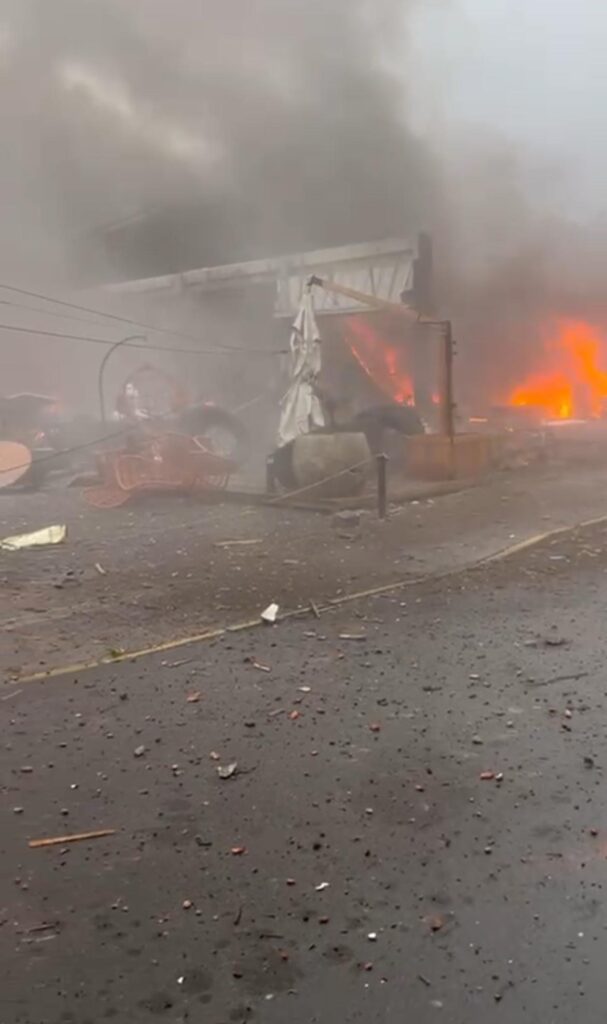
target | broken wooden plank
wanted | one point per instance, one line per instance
(35, 844)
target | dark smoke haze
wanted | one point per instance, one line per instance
(242, 128)
(273, 122)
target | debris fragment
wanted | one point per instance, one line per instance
(305, 689)
(588, 762)
(314, 610)
(52, 926)
(322, 886)
(193, 698)
(375, 727)
(237, 543)
(352, 636)
(227, 772)
(372, 936)
(435, 922)
(347, 517)
(39, 538)
(269, 614)
(486, 776)
(35, 844)
(294, 715)
(214, 755)
(187, 904)
(139, 751)
(238, 851)
(257, 664)
(100, 569)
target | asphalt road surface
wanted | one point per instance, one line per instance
(173, 567)
(415, 830)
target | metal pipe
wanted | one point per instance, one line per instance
(382, 485)
(446, 392)
(104, 362)
(270, 475)
(400, 309)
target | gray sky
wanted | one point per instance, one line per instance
(532, 70)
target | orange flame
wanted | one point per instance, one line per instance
(575, 385)
(380, 360)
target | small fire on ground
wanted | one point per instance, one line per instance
(574, 383)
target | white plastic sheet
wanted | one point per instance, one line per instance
(300, 408)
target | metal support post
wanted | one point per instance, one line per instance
(382, 489)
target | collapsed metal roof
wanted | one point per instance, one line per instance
(384, 269)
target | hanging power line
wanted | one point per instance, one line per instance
(219, 350)
(48, 312)
(114, 316)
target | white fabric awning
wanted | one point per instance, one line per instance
(300, 409)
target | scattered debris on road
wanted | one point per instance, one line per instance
(228, 771)
(139, 751)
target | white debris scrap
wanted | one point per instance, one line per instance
(269, 614)
(48, 535)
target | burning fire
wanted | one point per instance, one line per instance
(575, 385)
(380, 360)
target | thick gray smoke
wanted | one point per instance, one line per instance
(241, 127)
(142, 137)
